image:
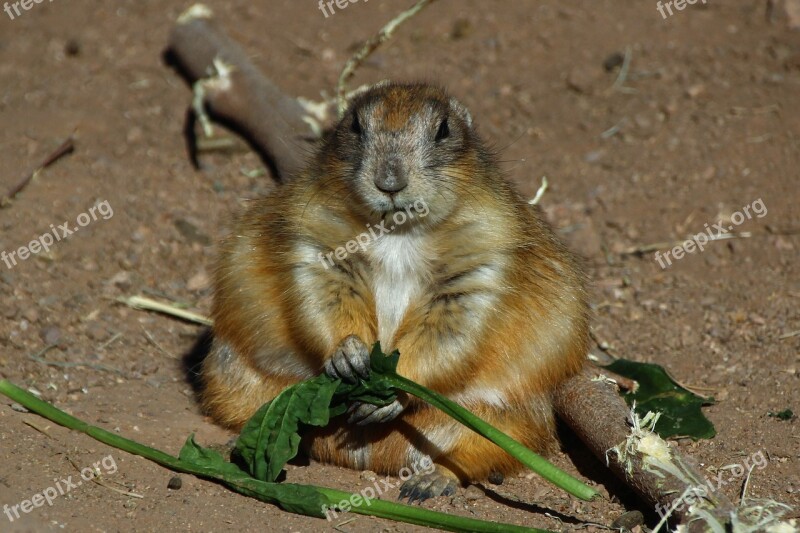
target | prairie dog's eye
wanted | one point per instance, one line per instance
(443, 132)
(355, 127)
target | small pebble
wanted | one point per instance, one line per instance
(50, 335)
(613, 61)
(9, 308)
(473, 493)
(72, 48)
(135, 134)
(199, 281)
(628, 521)
(496, 478)
(122, 280)
(696, 90)
(96, 331)
(368, 475)
(461, 28)
(191, 232)
(328, 55)
(19, 408)
(581, 79)
(47, 301)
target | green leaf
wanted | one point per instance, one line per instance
(298, 499)
(382, 363)
(301, 499)
(209, 461)
(272, 436)
(784, 415)
(378, 390)
(658, 392)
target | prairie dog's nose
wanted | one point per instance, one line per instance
(391, 176)
(390, 182)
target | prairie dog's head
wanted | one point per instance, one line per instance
(405, 147)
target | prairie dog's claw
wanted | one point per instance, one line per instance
(350, 361)
(362, 414)
(422, 486)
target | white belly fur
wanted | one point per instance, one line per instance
(400, 268)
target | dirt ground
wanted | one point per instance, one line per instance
(704, 124)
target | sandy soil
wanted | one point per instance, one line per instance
(705, 124)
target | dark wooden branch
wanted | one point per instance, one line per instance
(248, 102)
(594, 410)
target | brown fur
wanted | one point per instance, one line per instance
(499, 318)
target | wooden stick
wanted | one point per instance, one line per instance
(241, 97)
(594, 410)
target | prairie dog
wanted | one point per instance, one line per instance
(484, 303)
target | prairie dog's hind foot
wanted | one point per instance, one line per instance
(422, 486)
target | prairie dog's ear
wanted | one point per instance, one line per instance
(461, 111)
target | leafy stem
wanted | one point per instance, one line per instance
(206, 463)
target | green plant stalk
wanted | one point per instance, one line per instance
(532, 460)
(54, 414)
(425, 517)
(260, 490)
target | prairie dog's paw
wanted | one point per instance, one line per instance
(350, 361)
(362, 414)
(422, 486)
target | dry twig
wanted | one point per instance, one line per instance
(148, 304)
(63, 149)
(96, 478)
(370, 46)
